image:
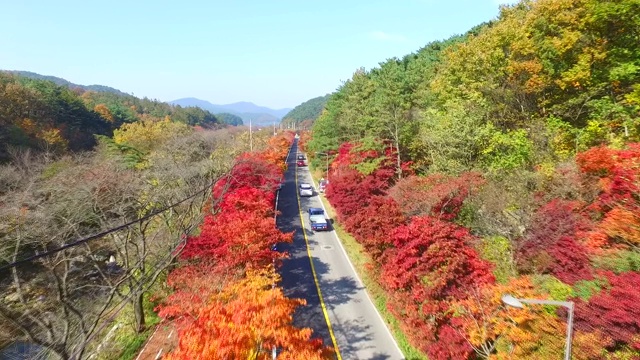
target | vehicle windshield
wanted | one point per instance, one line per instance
(316, 211)
(305, 186)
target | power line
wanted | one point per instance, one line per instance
(104, 233)
(117, 308)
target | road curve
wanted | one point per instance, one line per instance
(345, 318)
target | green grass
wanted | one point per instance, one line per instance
(126, 342)
(361, 262)
(134, 345)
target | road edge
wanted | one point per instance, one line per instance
(356, 272)
(313, 271)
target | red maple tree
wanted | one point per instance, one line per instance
(430, 265)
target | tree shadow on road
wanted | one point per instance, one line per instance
(354, 336)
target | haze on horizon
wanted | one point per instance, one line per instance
(274, 54)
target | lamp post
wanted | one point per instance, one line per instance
(326, 156)
(518, 303)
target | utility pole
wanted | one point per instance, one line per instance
(250, 136)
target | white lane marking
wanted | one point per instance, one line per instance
(159, 354)
(357, 276)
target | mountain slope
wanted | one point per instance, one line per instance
(308, 110)
(63, 117)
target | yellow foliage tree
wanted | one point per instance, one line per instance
(147, 134)
(500, 332)
(104, 112)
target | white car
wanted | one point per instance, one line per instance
(306, 189)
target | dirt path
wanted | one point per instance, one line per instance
(163, 340)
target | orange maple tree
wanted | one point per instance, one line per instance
(247, 320)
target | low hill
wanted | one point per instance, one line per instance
(230, 119)
(308, 110)
(63, 82)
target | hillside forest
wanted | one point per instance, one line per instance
(41, 115)
(502, 161)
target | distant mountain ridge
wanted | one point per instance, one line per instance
(63, 82)
(258, 115)
(247, 111)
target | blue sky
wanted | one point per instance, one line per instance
(276, 53)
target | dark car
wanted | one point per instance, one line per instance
(301, 157)
(317, 219)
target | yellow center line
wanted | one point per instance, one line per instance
(313, 271)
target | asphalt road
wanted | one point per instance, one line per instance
(346, 317)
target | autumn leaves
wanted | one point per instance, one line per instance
(225, 301)
(444, 284)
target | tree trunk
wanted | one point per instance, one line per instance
(138, 309)
(398, 159)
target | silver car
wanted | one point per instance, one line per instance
(306, 189)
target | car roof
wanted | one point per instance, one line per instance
(305, 185)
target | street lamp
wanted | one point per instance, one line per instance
(326, 157)
(518, 303)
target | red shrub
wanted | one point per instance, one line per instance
(345, 194)
(430, 265)
(349, 190)
(597, 160)
(193, 286)
(450, 345)
(248, 199)
(236, 238)
(251, 170)
(551, 247)
(615, 311)
(571, 263)
(618, 173)
(436, 195)
(372, 224)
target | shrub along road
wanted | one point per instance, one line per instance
(338, 308)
